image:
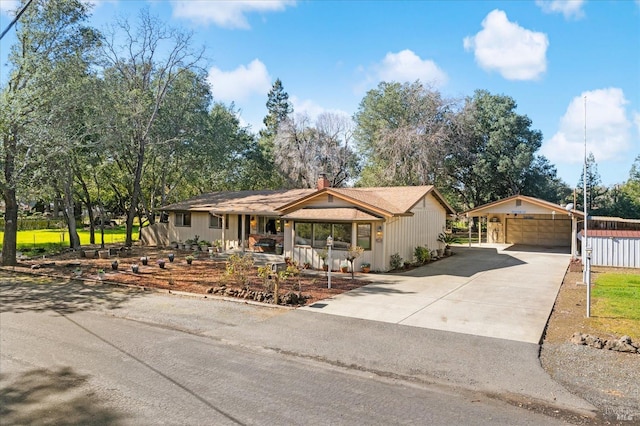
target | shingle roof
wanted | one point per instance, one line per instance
(243, 202)
(345, 213)
(392, 200)
(536, 201)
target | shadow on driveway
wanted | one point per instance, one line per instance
(29, 293)
(466, 262)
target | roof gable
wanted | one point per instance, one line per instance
(537, 202)
(387, 201)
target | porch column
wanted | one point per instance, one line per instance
(574, 235)
(224, 225)
(243, 233)
(479, 230)
(469, 227)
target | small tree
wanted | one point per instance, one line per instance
(239, 267)
(353, 252)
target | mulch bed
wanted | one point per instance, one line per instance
(201, 277)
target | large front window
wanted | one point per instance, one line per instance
(315, 234)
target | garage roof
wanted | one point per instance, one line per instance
(486, 208)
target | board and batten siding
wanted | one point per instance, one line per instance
(405, 233)
(616, 252)
(200, 227)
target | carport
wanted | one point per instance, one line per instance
(528, 221)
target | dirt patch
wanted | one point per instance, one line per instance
(570, 310)
(605, 378)
(200, 277)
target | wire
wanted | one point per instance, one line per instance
(6, 30)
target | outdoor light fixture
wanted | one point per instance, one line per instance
(379, 234)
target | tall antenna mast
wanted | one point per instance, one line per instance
(585, 249)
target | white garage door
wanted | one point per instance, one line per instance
(539, 232)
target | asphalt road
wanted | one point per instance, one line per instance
(74, 354)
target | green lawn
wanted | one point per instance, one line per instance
(616, 302)
(50, 239)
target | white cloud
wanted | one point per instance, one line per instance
(240, 83)
(226, 13)
(607, 124)
(515, 52)
(9, 6)
(312, 109)
(569, 8)
(406, 66)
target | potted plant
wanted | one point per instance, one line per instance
(344, 266)
(447, 239)
(144, 260)
(160, 263)
(101, 274)
(135, 268)
(365, 267)
(171, 256)
(77, 272)
(114, 265)
(189, 259)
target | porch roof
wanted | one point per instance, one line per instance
(341, 214)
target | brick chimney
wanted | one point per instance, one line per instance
(323, 182)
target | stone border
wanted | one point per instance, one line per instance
(623, 344)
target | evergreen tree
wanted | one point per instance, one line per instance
(595, 190)
(279, 108)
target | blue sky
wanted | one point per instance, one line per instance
(547, 55)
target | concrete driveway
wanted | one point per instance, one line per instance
(493, 291)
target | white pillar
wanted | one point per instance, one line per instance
(243, 233)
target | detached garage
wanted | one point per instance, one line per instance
(528, 221)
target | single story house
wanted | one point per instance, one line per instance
(520, 219)
(383, 221)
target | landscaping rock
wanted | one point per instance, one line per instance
(624, 344)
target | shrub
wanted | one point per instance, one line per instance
(396, 261)
(422, 254)
(239, 268)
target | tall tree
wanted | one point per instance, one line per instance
(595, 191)
(303, 150)
(278, 110)
(140, 66)
(496, 150)
(403, 134)
(50, 32)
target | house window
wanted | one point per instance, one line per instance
(364, 235)
(303, 233)
(321, 232)
(216, 221)
(518, 203)
(341, 235)
(315, 234)
(183, 219)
